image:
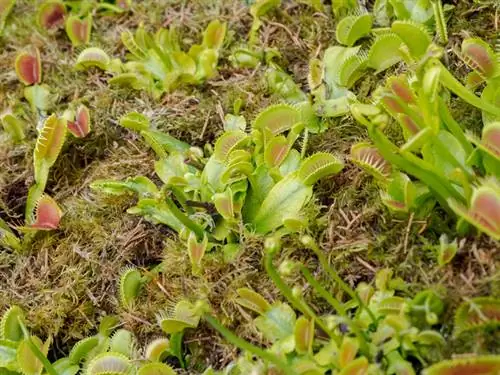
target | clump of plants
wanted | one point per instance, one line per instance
(255, 181)
(449, 165)
(41, 212)
(156, 62)
(369, 330)
(110, 351)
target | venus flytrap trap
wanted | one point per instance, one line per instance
(254, 181)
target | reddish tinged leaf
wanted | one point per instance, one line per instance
(276, 151)
(348, 351)
(29, 67)
(196, 251)
(483, 365)
(357, 367)
(51, 14)
(480, 57)
(484, 211)
(392, 105)
(491, 138)
(486, 208)
(401, 89)
(78, 30)
(480, 312)
(409, 124)
(47, 214)
(304, 335)
(81, 126)
(369, 158)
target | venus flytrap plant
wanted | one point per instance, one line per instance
(156, 63)
(255, 180)
(444, 173)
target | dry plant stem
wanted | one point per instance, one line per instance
(245, 345)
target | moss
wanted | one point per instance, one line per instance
(68, 279)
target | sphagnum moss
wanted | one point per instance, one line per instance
(68, 279)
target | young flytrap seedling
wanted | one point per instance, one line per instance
(255, 182)
(156, 62)
(110, 351)
(451, 167)
(76, 16)
(372, 331)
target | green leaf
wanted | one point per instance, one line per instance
(8, 351)
(140, 185)
(446, 250)
(228, 142)
(477, 313)
(480, 56)
(28, 362)
(276, 151)
(39, 97)
(48, 146)
(109, 363)
(90, 57)
(156, 369)
(367, 157)
(214, 34)
(135, 121)
(414, 35)
(276, 323)
(82, 349)
(13, 126)
(123, 341)
(384, 52)
(277, 119)
(347, 352)
(156, 212)
(252, 300)
(485, 364)
(130, 286)
(352, 28)
(156, 349)
(64, 366)
(184, 315)
(484, 209)
(10, 328)
(285, 199)
(318, 166)
(304, 335)
(5, 9)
